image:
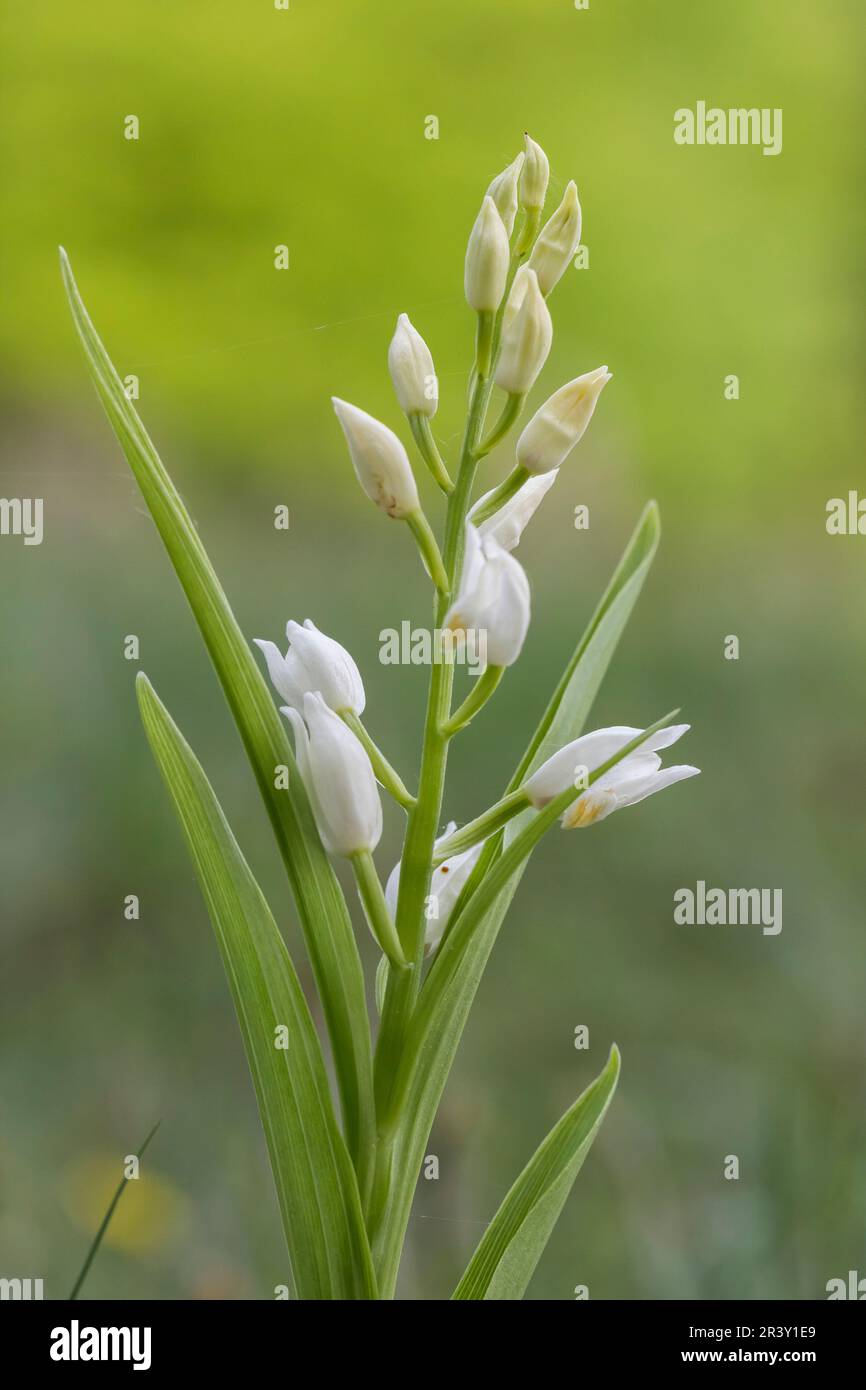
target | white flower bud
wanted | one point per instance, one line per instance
(380, 461)
(412, 371)
(636, 776)
(314, 662)
(486, 260)
(503, 191)
(446, 885)
(526, 341)
(507, 524)
(533, 176)
(557, 241)
(338, 777)
(557, 425)
(493, 599)
(515, 298)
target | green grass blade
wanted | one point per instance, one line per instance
(514, 1242)
(106, 1222)
(322, 909)
(315, 1180)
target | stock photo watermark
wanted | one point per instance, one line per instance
(22, 516)
(729, 907)
(421, 646)
(715, 125)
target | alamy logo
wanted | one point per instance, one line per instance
(418, 646)
(76, 1343)
(22, 516)
(739, 125)
(21, 1289)
(855, 1287)
(720, 907)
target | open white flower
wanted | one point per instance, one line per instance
(338, 777)
(380, 461)
(412, 372)
(508, 524)
(314, 662)
(493, 599)
(445, 887)
(557, 241)
(638, 775)
(561, 422)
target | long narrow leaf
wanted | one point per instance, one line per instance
(443, 1027)
(572, 700)
(315, 1180)
(443, 1008)
(514, 1242)
(324, 917)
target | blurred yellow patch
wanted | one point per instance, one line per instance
(148, 1216)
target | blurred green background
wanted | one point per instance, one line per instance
(306, 127)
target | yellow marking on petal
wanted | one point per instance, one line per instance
(585, 811)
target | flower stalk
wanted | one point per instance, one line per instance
(389, 778)
(423, 435)
(373, 900)
(476, 831)
(477, 698)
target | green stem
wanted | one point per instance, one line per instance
(417, 859)
(386, 774)
(501, 494)
(420, 528)
(484, 333)
(106, 1220)
(423, 435)
(510, 412)
(376, 909)
(475, 700)
(482, 827)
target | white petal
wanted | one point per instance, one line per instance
(508, 524)
(642, 788)
(347, 796)
(590, 751)
(317, 662)
(281, 678)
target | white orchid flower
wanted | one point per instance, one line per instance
(487, 256)
(380, 461)
(446, 885)
(637, 776)
(411, 366)
(314, 662)
(493, 599)
(503, 191)
(561, 422)
(508, 523)
(339, 779)
(526, 340)
(557, 241)
(533, 176)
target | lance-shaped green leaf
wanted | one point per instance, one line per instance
(443, 1008)
(322, 909)
(514, 1242)
(315, 1180)
(572, 700)
(489, 891)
